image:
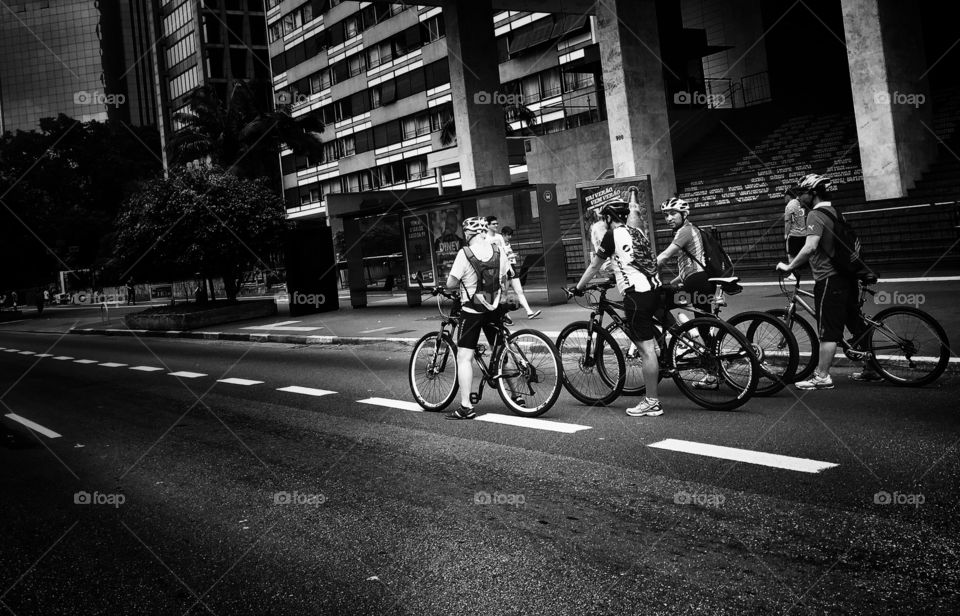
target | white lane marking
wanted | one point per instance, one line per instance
(188, 375)
(110, 364)
(309, 391)
(379, 329)
(12, 350)
(803, 465)
(27, 353)
(282, 327)
(146, 368)
(33, 426)
(530, 422)
(233, 381)
(393, 404)
(84, 361)
(44, 354)
(63, 357)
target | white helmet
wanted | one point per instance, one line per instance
(675, 204)
(474, 225)
(813, 181)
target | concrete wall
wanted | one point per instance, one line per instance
(571, 156)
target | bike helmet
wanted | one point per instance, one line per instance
(474, 225)
(616, 208)
(675, 204)
(813, 181)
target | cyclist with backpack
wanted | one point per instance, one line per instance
(836, 292)
(479, 271)
(635, 270)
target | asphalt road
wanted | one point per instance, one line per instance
(236, 497)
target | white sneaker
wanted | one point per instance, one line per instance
(646, 408)
(707, 382)
(816, 382)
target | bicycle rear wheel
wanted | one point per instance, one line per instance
(633, 385)
(433, 371)
(909, 347)
(595, 377)
(775, 347)
(808, 344)
(720, 373)
(529, 373)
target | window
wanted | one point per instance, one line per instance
(351, 27)
(374, 97)
(349, 146)
(576, 81)
(530, 88)
(416, 169)
(355, 64)
(409, 128)
(352, 182)
(433, 29)
(276, 31)
(550, 82)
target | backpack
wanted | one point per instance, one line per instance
(718, 263)
(846, 257)
(488, 278)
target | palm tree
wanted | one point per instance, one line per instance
(238, 134)
(512, 112)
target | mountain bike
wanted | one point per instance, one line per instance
(524, 366)
(904, 345)
(710, 361)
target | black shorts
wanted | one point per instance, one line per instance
(837, 306)
(639, 309)
(473, 323)
(794, 244)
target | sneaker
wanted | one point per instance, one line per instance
(707, 382)
(866, 375)
(535, 314)
(464, 412)
(816, 382)
(519, 401)
(507, 320)
(646, 408)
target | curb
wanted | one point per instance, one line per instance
(239, 337)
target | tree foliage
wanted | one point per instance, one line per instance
(204, 221)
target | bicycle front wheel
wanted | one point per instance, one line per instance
(713, 364)
(808, 344)
(433, 371)
(909, 346)
(775, 347)
(593, 366)
(529, 373)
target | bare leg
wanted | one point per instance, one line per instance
(827, 351)
(518, 289)
(465, 375)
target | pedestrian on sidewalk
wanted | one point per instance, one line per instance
(131, 292)
(513, 275)
(794, 226)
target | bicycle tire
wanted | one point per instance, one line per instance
(915, 323)
(633, 385)
(775, 347)
(542, 368)
(729, 359)
(591, 380)
(808, 343)
(433, 392)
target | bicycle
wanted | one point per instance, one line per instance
(897, 337)
(527, 366)
(719, 374)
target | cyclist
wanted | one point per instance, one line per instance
(635, 270)
(480, 272)
(836, 296)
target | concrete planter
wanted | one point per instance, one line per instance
(167, 321)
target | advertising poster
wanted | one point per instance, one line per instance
(634, 190)
(447, 238)
(419, 250)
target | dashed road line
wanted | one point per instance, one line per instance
(11, 350)
(404, 405)
(187, 374)
(803, 465)
(44, 354)
(234, 381)
(84, 361)
(146, 368)
(531, 422)
(63, 357)
(111, 364)
(27, 353)
(308, 391)
(32, 425)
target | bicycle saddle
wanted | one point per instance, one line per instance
(728, 284)
(728, 280)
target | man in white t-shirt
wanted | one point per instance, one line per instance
(481, 302)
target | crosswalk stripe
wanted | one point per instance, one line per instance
(33, 426)
(404, 405)
(146, 368)
(188, 375)
(532, 422)
(233, 381)
(802, 465)
(308, 391)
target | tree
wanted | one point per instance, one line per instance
(512, 112)
(203, 220)
(238, 134)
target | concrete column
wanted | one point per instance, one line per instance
(891, 95)
(474, 78)
(635, 93)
